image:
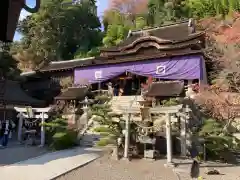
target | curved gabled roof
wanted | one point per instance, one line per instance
(168, 34)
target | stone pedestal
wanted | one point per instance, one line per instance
(170, 165)
(115, 155)
(169, 139)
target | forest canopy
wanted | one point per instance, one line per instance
(61, 31)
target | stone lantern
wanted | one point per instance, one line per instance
(11, 10)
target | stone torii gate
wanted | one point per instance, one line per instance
(169, 112)
(24, 114)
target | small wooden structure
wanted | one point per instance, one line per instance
(73, 98)
(11, 94)
(73, 93)
(165, 89)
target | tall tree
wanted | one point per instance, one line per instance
(164, 11)
(120, 17)
(8, 65)
(129, 6)
(221, 100)
(59, 30)
(203, 8)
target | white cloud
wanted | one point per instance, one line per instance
(23, 15)
(98, 3)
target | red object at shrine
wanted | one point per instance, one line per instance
(148, 83)
(149, 80)
(10, 12)
(195, 87)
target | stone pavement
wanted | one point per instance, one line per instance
(16, 152)
(50, 165)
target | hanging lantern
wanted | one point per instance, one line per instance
(11, 10)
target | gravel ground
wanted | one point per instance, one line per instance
(226, 173)
(107, 169)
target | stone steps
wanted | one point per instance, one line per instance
(120, 103)
(89, 140)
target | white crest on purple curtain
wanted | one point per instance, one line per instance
(98, 74)
(161, 70)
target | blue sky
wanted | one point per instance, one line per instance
(101, 7)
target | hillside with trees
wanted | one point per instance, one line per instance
(60, 31)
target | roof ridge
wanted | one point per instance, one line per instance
(72, 60)
(157, 27)
(26, 73)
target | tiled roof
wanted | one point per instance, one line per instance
(166, 88)
(12, 93)
(73, 93)
(64, 65)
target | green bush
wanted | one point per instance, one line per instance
(104, 142)
(170, 102)
(102, 129)
(59, 136)
(216, 141)
(63, 140)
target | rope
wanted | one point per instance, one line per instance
(30, 123)
(157, 125)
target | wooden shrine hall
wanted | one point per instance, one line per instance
(170, 52)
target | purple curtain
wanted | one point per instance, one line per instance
(176, 68)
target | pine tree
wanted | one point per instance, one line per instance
(111, 125)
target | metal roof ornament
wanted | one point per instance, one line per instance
(191, 26)
(129, 33)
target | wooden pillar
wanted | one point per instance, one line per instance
(42, 130)
(169, 141)
(204, 72)
(203, 80)
(20, 124)
(127, 136)
(99, 88)
(190, 82)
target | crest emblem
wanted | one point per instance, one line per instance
(160, 70)
(98, 74)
